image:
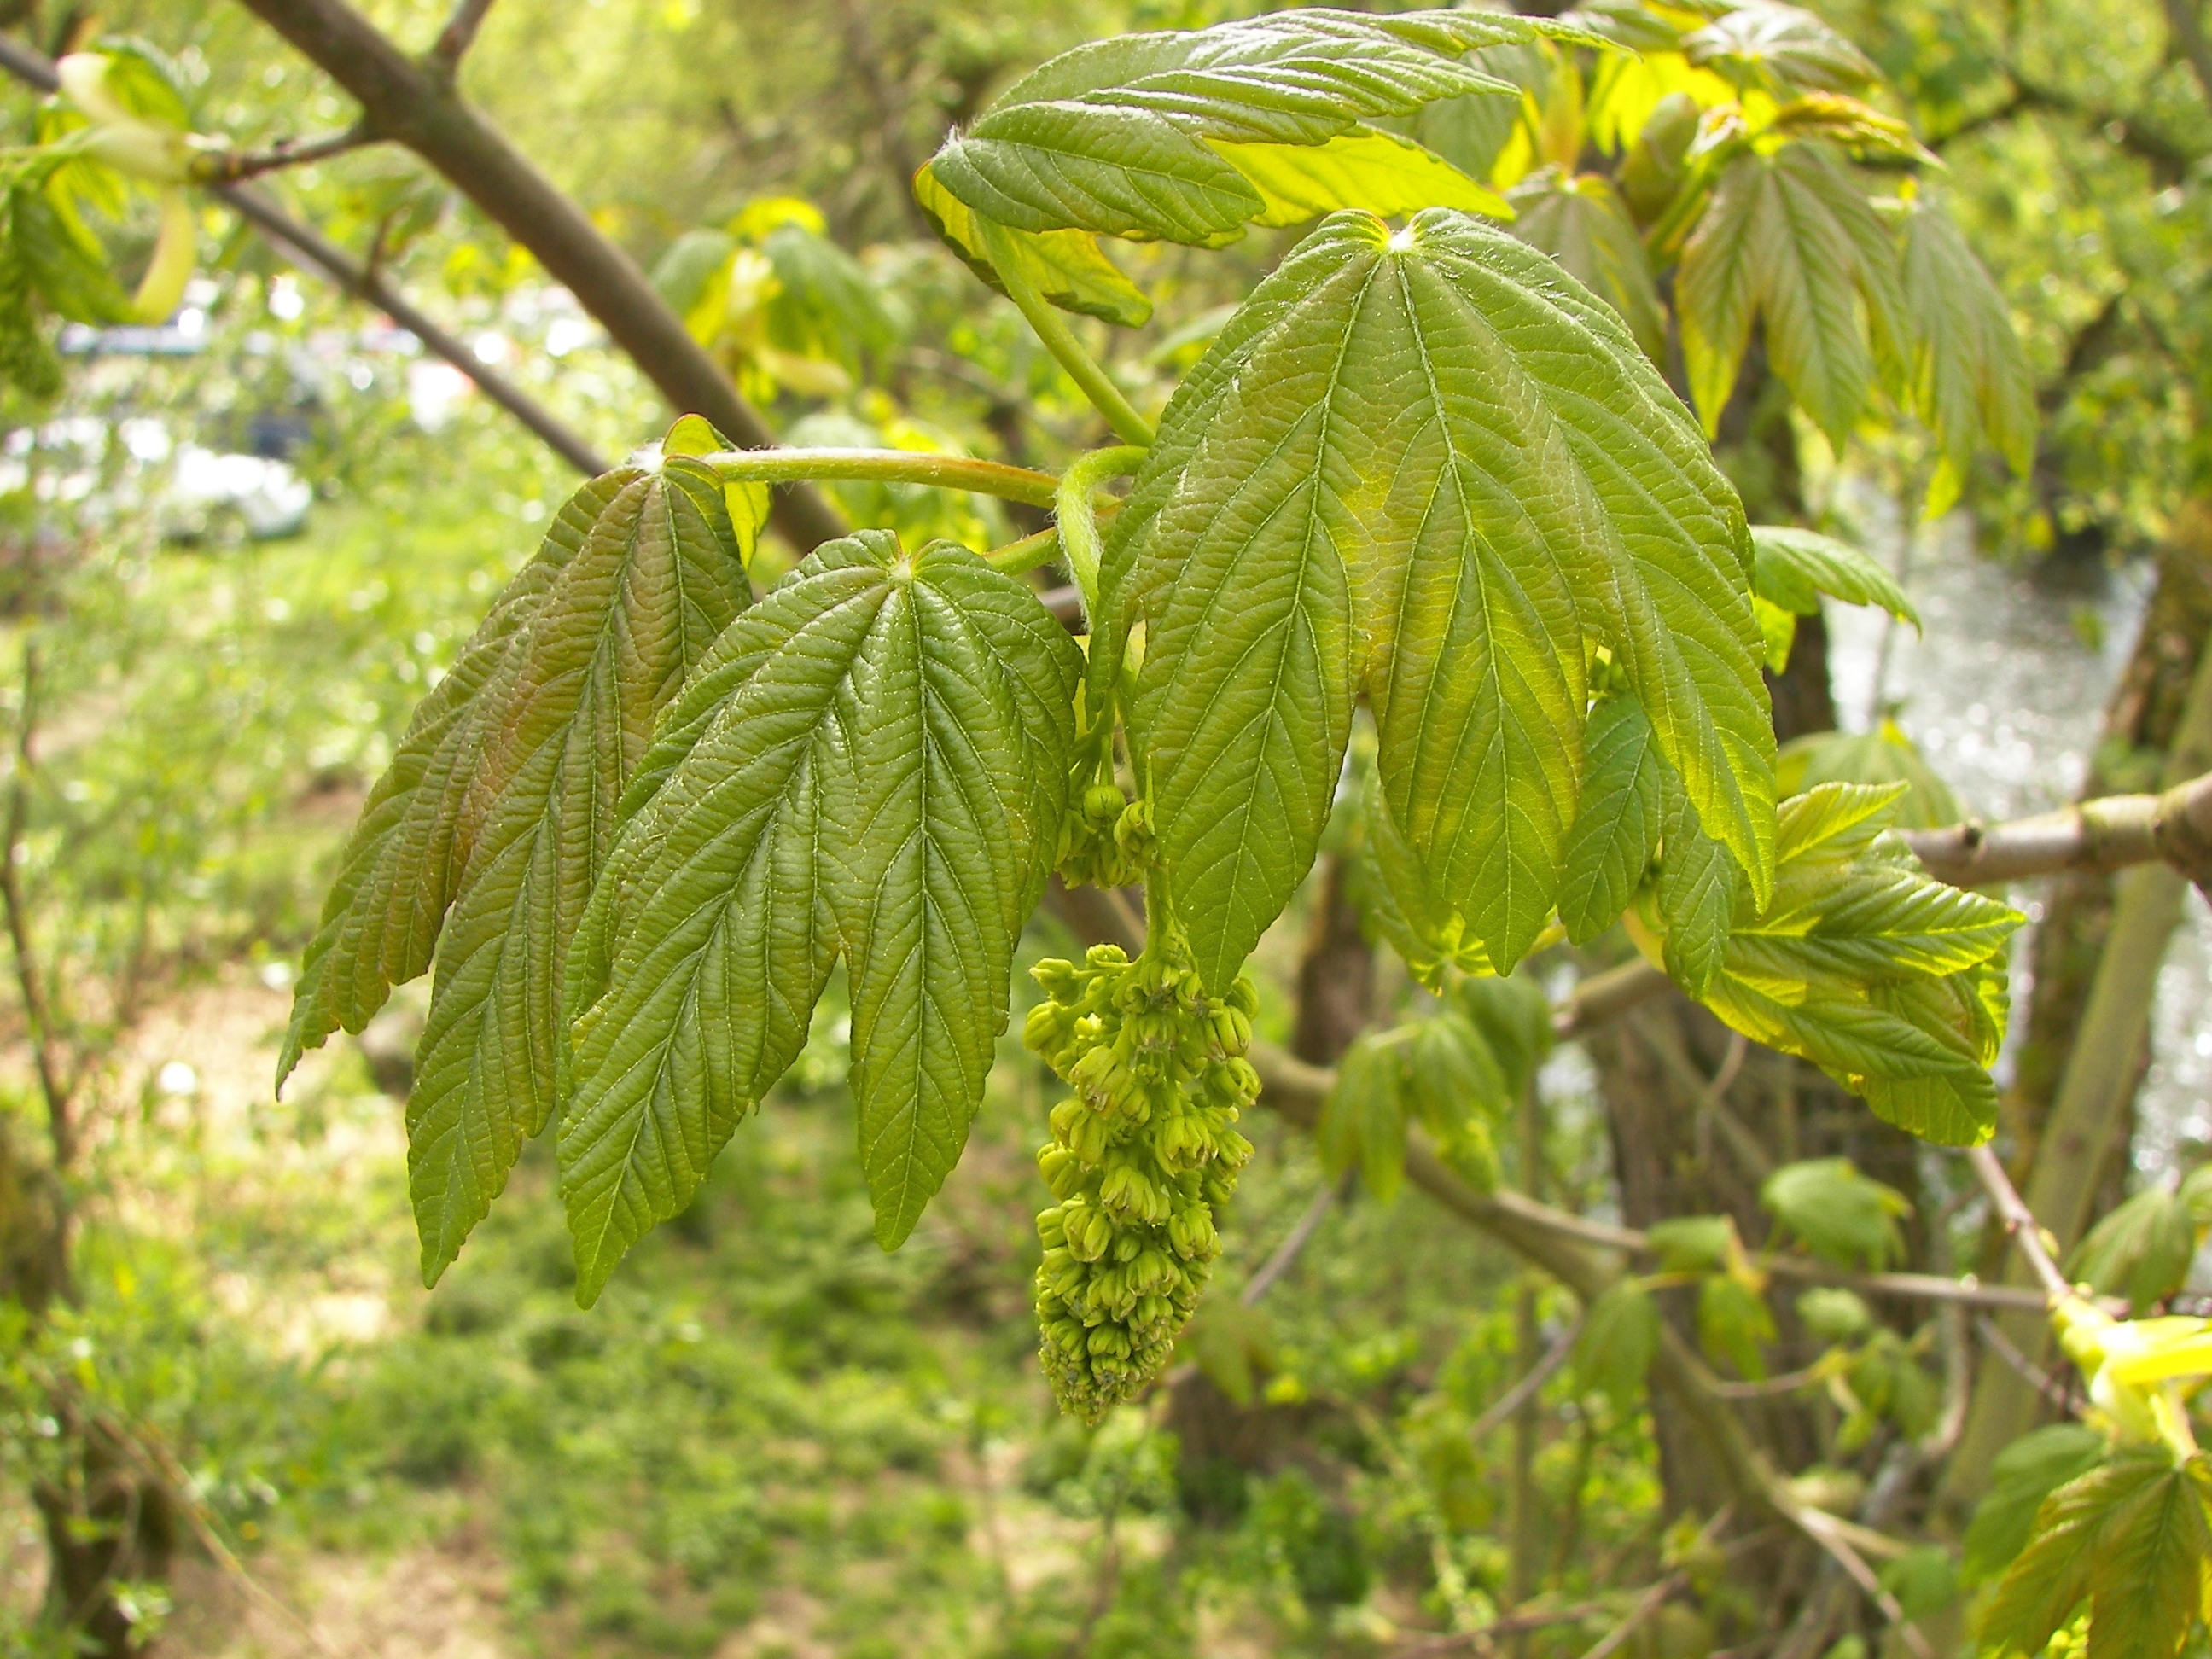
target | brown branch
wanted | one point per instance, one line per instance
(2107, 834)
(1523, 1391)
(456, 38)
(364, 283)
(228, 166)
(403, 101)
(2048, 1388)
(370, 284)
(2019, 1223)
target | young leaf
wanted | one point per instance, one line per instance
(1694, 1243)
(1697, 893)
(1618, 822)
(2142, 1249)
(1066, 266)
(2132, 1538)
(1125, 137)
(1379, 172)
(1780, 50)
(1793, 567)
(871, 761)
(1620, 1338)
(659, 576)
(1580, 221)
(1883, 756)
(1889, 981)
(1363, 1121)
(1971, 380)
(381, 920)
(1427, 462)
(2022, 1475)
(1732, 1321)
(1790, 237)
(1842, 1216)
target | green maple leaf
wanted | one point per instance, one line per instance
(872, 763)
(1428, 465)
(1187, 135)
(1790, 237)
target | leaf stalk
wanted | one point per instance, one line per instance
(1079, 515)
(1052, 328)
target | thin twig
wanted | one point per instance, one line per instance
(2020, 1222)
(2052, 1391)
(1539, 1374)
(1835, 1536)
(1286, 1253)
(228, 166)
(456, 37)
(1766, 1388)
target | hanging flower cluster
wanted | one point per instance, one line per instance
(1139, 1156)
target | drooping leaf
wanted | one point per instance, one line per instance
(1121, 135)
(1620, 1338)
(1429, 464)
(626, 619)
(1513, 1014)
(1793, 567)
(1890, 981)
(380, 922)
(1883, 756)
(1066, 267)
(824, 305)
(2143, 1249)
(2021, 1476)
(1698, 892)
(1694, 1243)
(1618, 822)
(2132, 1537)
(1433, 944)
(1580, 221)
(871, 761)
(1790, 237)
(1780, 50)
(1971, 380)
(1851, 125)
(1841, 1215)
(1733, 1321)
(1363, 1121)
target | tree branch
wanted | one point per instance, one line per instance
(227, 166)
(403, 101)
(456, 38)
(2174, 828)
(362, 282)
(2019, 1223)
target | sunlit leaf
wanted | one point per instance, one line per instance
(1429, 464)
(1789, 238)
(1066, 266)
(1780, 50)
(1580, 221)
(1971, 380)
(1119, 136)
(1794, 566)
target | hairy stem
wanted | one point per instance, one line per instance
(1051, 328)
(1078, 516)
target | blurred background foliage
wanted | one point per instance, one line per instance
(770, 1438)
